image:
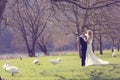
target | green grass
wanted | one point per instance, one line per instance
(69, 69)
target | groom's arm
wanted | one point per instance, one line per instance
(82, 41)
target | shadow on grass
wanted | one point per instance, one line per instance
(99, 78)
(105, 74)
(61, 77)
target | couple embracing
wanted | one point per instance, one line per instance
(88, 58)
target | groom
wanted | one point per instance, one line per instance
(83, 43)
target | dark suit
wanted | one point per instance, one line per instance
(83, 50)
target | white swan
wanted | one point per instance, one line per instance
(5, 65)
(36, 61)
(11, 69)
(114, 54)
(55, 61)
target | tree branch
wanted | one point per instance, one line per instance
(96, 6)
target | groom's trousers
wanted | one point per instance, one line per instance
(83, 57)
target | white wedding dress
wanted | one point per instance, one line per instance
(91, 58)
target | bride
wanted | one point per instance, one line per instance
(91, 58)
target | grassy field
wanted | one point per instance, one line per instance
(69, 69)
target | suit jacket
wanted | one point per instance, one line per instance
(83, 43)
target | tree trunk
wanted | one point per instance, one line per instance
(33, 48)
(77, 28)
(118, 45)
(45, 51)
(79, 48)
(31, 53)
(43, 48)
(101, 51)
(113, 44)
(93, 42)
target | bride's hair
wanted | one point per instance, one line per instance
(90, 33)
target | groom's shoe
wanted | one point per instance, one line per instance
(83, 65)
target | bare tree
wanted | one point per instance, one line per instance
(30, 20)
(98, 4)
(43, 41)
(2, 8)
(3, 4)
(91, 16)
